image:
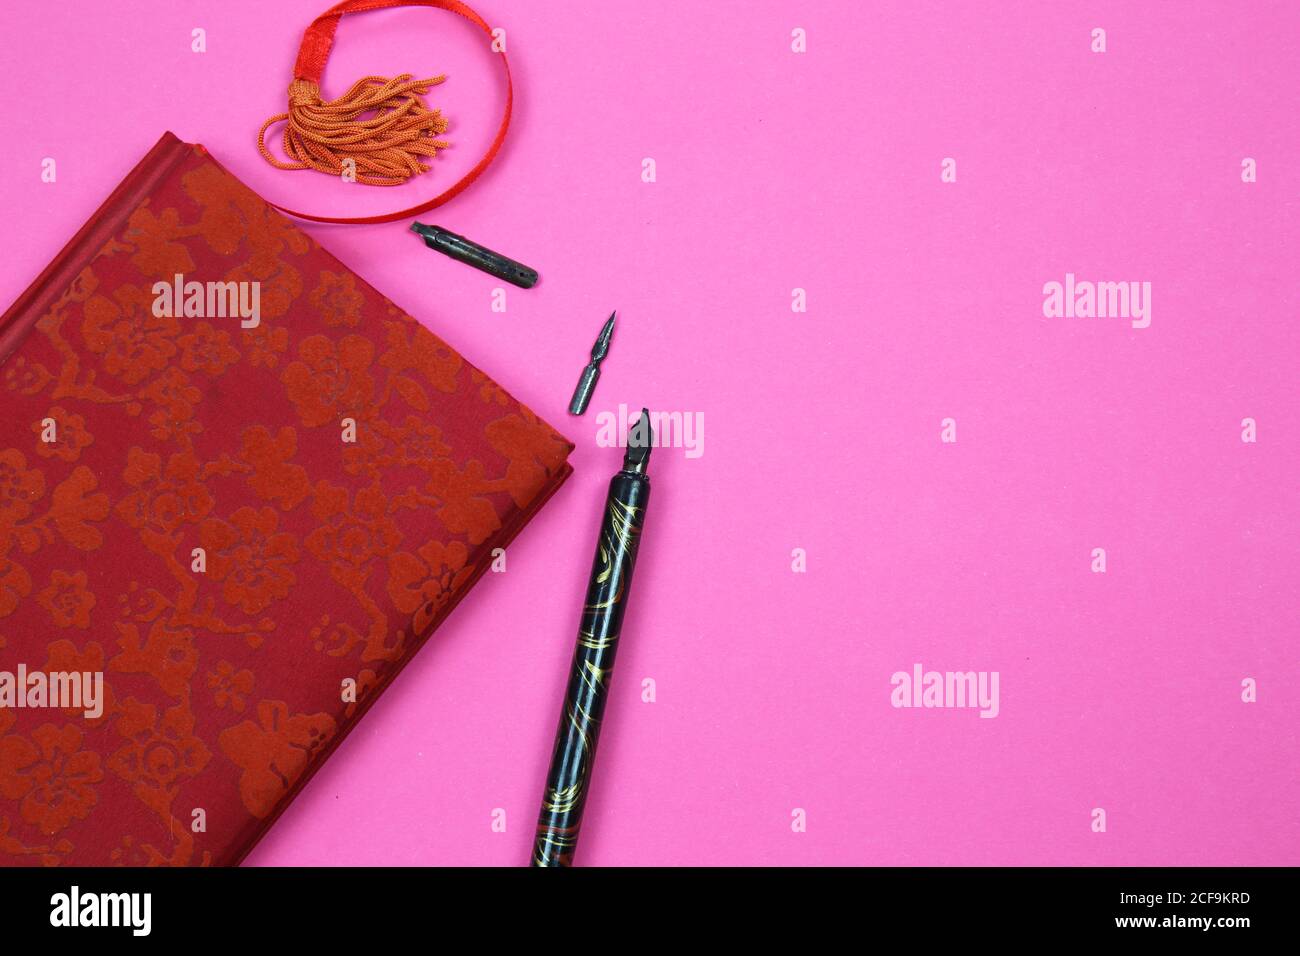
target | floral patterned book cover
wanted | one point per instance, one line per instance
(239, 488)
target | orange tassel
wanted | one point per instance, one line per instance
(386, 147)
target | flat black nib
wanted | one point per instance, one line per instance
(640, 439)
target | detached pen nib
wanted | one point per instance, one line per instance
(601, 348)
(640, 439)
(587, 383)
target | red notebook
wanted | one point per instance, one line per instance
(237, 503)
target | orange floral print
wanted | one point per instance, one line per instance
(331, 381)
(135, 343)
(83, 286)
(157, 254)
(170, 427)
(131, 853)
(416, 443)
(339, 639)
(167, 654)
(163, 499)
(233, 214)
(250, 557)
(464, 510)
(488, 390)
(24, 377)
(70, 435)
(15, 584)
(367, 454)
(177, 399)
(264, 344)
(173, 390)
(64, 657)
(534, 450)
(52, 776)
(68, 599)
(73, 508)
(353, 533)
(423, 585)
(206, 350)
(273, 752)
(158, 754)
(412, 346)
(280, 283)
(20, 487)
(15, 847)
(337, 298)
(143, 605)
(274, 477)
(230, 212)
(230, 686)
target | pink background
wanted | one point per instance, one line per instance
(779, 170)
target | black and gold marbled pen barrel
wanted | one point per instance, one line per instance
(593, 660)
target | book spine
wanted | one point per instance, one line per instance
(81, 249)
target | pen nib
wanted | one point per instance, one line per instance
(640, 439)
(587, 383)
(601, 348)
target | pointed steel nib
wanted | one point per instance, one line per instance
(590, 374)
(640, 439)
(601, 348)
